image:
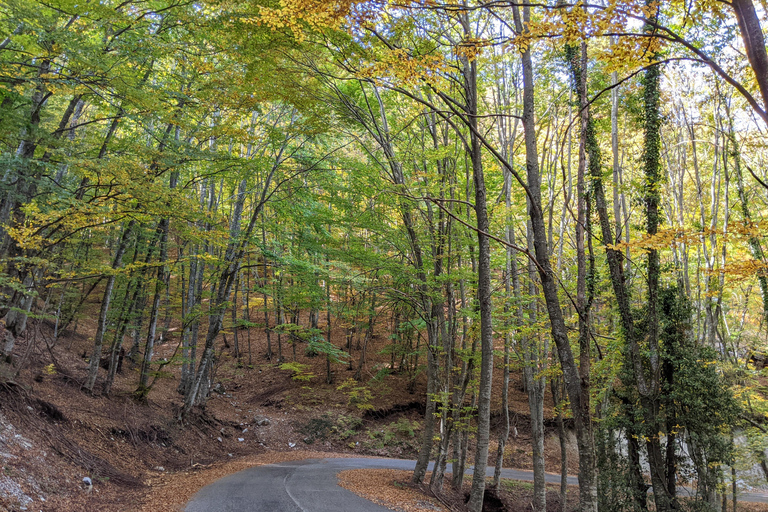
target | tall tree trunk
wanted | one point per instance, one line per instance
(534, 365)
(194, 313)
(265, 297)
(238, 243)
(460, 435)
(101, 324)
(469, 71)
(585, 441)
(161, 283)
(368, 335)
(577, 58)
(649, 396)
(510, 269)
(377, 125)
(132, 287)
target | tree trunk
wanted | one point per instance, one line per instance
(368, 336)
(160, 284)
(754, 43)
(117, 352)
(469, 71)
(649, 396)
(101, 324)
(534, 365)
(238, 243)
(510, 270)
(577, 58)
(587, 470)
(556, 385)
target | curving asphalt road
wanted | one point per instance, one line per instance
(310, 485)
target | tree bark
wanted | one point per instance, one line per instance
(233, 254)
(101, 324)
(587, 471)
(754, 43)
(469, 72)
(534, 365)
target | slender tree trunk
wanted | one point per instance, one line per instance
(101, 324)
(238, 243)
(328, 327)
(459, 437)
(587, 471)
(265, 297)
(469, 70)
(651, 163)
(368, 335)
(190, 309)
(534, 364)
(161, 283)
(510, 269)
(117, 353)
(557, 395)
(235, 307)
(577, 58)
(378, 127)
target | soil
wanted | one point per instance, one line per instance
(137, 455)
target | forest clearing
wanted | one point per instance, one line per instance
(479, 235)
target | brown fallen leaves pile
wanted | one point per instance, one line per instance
(389, 488)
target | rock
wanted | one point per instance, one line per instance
(12, 490)
(218, 439)
(261, 422)
(159, 468)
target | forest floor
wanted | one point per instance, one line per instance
(139, 457)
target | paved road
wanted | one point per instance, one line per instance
(310, 486)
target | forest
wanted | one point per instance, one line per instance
(573, 194)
